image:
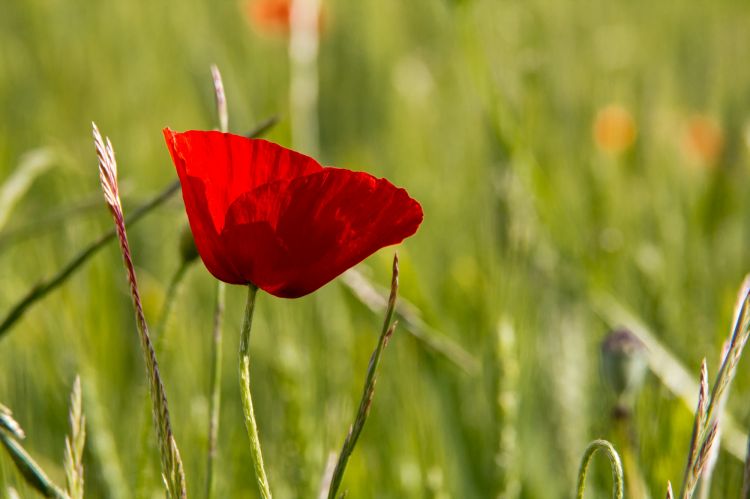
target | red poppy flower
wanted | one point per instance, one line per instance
(274, 16)
(267, 215)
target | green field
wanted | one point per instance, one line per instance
(536, 241)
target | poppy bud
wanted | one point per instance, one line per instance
(188, 251)
(624, 365)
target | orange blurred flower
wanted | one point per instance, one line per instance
(703, 140)
(272, 16)
(614, 129)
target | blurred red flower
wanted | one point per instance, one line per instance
(614, 129)
(267, 215)
(703, 140)
(273, 16)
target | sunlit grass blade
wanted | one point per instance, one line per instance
(614, 459)
(8, 424)
(29, 469)
(171, 463)
(45, 286)
(74, 444)
(369, 388)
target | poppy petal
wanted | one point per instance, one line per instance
(308, 230)
(266, 215)
(229, 165)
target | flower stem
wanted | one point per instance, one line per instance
(215, 400)
(247, 400)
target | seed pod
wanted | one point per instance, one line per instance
(624, 364)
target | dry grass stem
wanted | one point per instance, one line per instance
(171, 463)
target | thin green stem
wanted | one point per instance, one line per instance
(247, 400)
(368, 392)
(614, 459)
(215, 400)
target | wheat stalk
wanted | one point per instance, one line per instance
(173, 475)
(74, 444)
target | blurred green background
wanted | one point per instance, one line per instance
(535, 224)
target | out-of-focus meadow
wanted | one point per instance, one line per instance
(582, 166)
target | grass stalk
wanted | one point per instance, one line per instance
(215, 384)
(30, 470)
(74, 444)
(708, 414)
(10, 433)
(214, 407)
(614, 459)
(46, 286)
(506, 406)
(247, 400)
(369, 388)
(159, 333)
(174, 478)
